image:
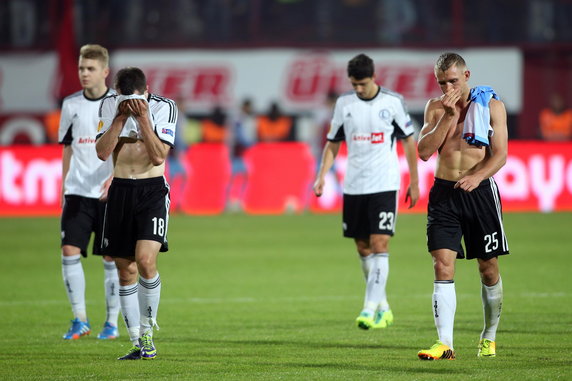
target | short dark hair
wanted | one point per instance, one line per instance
(360, 67)
(446, 60)
(130, 79)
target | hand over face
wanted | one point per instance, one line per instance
(123, 109)
(450, 99)
(138, 107)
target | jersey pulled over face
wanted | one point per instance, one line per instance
(163, 115)
(370, 129)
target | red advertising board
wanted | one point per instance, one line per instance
(279, 177)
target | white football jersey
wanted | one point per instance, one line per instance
(370, 129)
(78, 128)
(163, 113)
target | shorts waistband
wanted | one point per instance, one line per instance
(451, 184)
(160, 180)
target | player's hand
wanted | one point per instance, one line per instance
(105, 189)
(449, 100)
(468, 183)
(318, 187)
(412, 196)
(138, 107)
(123, 109)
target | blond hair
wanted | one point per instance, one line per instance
(95, 52)
(447, 60)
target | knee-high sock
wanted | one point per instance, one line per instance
(149, 296)
(492, 307)
(366, 265)
(74, 281)
(111, 284)
(375, 296)
(444, 306)
(130, 310)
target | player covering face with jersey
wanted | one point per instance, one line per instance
(138, 130)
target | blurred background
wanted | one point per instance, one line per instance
(255, 82)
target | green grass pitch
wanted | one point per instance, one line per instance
(275, 298)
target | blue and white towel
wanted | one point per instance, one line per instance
(131, 127)
(477, 127)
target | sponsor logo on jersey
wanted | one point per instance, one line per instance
(373, 138)
(377, 137)
(88, 140)
(167, 131)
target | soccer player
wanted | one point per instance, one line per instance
(84, 190)
(370, 119)
(138, 128)
(467, 127)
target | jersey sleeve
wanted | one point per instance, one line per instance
(165, 120)
(336, 132)
(105, 115)
(65, 135)
(402, 120)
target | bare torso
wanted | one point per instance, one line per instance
(456, 156)
(131, 161)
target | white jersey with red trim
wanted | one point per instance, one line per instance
(370, 129)
(78, 128)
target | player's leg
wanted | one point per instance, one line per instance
(382, 215)
(365, 320)
(444, 304)
(74, 281)
(75, 232)
(492, 296)
(485, 240)
(110, 278)
(127, 270)
(355, 224)
(113, 305)
(444, 232)
(149, 293)
(376, 285)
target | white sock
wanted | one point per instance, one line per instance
(444, 306)
(74, 281)
(375, 296)
(366, 265)
(149, 296)
(130, 310)
(111, 283)
(492, 307)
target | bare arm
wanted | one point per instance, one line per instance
(156, 149)
(66, 158)
(435, 127)
(411, 156)
(496, 154)
(328, 156)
